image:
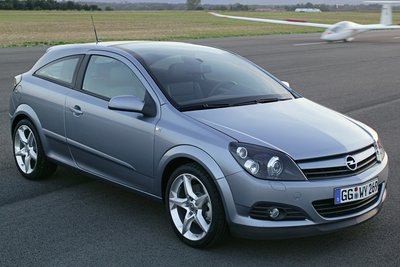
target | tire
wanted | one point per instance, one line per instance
(29, 156)
(194, 207)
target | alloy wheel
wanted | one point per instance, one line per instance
(190, 207)
(25, 149)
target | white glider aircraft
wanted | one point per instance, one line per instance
(341, 31)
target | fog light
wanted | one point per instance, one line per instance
(241, 152)
(274, 167)
(252, 166)
(273, 213)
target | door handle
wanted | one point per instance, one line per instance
(76, 110)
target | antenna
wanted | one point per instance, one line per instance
(95, 32)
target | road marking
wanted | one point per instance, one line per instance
(317, 43)
(373, 106)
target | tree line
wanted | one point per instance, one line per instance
(188, 5)
(71, 5)
(196, 5)
(45, 5)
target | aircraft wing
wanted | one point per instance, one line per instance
(297, 23)
(375, 27)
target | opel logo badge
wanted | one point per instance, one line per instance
(351, 163)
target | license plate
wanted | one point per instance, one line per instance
(356, 192)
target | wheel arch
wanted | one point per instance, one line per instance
(24, 111)
(180, 155)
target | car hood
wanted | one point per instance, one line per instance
(298, 127)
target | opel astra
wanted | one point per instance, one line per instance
(226, 146)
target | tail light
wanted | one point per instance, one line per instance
(17, 80)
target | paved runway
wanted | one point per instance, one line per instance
(74, 220)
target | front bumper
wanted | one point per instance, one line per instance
(241, 191)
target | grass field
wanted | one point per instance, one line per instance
(27, 28)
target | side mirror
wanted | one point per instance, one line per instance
(286, 83)
(126, 103)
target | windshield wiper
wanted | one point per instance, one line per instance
(204, 106)
(224, 105)
(260, 101)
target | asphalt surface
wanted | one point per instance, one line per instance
(73, 220)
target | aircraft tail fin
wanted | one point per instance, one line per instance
(386, 13)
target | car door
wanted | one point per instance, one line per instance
(49, 85)
(116, 145)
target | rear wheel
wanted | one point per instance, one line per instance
(28, 152)
(195, 207)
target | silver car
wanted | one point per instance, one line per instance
(222, 143)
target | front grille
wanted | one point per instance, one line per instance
(260, 211)
(335, 166)
(327, 208)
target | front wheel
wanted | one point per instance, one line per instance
(195, 207)
(28, 152)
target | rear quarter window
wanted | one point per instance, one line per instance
(62, 71)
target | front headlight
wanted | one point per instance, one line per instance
(265, 163)
(380, 151)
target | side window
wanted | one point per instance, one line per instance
(109, 77)
(61, 70)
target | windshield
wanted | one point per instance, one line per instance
(194, 77)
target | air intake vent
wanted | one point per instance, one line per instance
(327, 208)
